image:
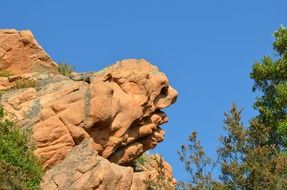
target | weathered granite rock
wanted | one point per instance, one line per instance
(20, 53)
(84, 169)
(119, 108)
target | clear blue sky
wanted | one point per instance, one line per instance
(205, 47)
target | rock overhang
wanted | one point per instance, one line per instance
(120, 107)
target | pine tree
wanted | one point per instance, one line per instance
(252, 157)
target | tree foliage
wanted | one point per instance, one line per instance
(270, 78)
(252, 157)
(19, 169)
(247, 160)
(195, 161)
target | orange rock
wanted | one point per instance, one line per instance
(119, 108)
(4, 83)
(83, 168)
(20, 53)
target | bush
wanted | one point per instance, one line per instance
(19, 168)
(161, 181)
(139, 164)
(155, 163)
(25, 83)
(4, 73)
(65, 69)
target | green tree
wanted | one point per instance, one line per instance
(247, 160)
(270, 78)
(19, 169)
(252, 157)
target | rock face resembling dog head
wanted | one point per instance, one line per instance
(127, 113)
(118, 107)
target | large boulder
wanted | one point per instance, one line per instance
(83, 168)
(117, 110)
(119, 107)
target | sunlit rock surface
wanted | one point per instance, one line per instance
(113, 115)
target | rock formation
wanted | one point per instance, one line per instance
(83, 168)
(20, 53)
(82, 123)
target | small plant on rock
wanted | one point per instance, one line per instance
(5, 73)
(139, 163)
(161, 181)
(65, 69)
(25, 83)
(155, 164)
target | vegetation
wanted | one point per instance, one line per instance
(19, 169)
(25, 83)
(195, 161)
(5, 73)
(2, 92)
(20, 83)
(252, 157)
(270, 78)
(161, 181)
(65, 69)
(152, 162)
(140, 163)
